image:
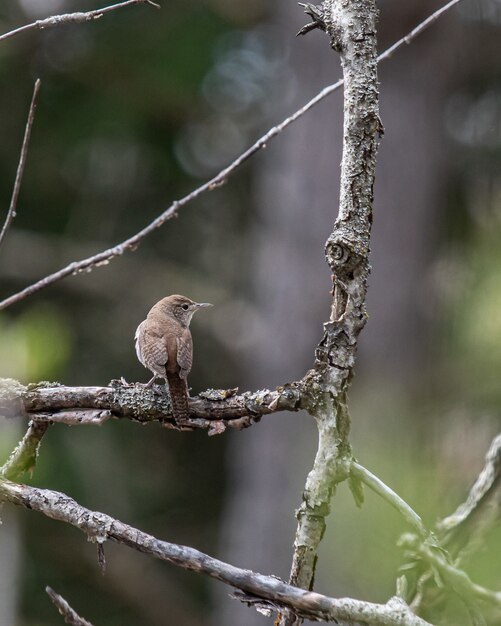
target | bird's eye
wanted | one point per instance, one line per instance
(185, 307)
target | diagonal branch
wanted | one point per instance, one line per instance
(11, 214)
(461, 533)
(476, 516)
(24, 456)
(71, 617)
(381, 489)
(101, 527)
(130, 244)
(73, 18)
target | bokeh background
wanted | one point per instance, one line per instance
(137, 109)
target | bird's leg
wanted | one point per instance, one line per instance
(147, 385)
(150, 382)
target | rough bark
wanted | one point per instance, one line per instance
(352, 31)
(212, 409)
(100, 527)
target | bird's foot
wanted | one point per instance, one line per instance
(124, 383)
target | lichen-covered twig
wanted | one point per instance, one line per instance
(101, 527)
(212, 409)
(24, 456)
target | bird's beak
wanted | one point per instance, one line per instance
(202, 305)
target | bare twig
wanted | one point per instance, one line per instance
(104, 257)
(71, 617)
(418, 30)
(11, 214)
(379, 487)
(101, 527)
(24, 457)
(73, 18)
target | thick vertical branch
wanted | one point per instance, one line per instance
(351, 27)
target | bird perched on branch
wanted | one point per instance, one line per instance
(165, 347)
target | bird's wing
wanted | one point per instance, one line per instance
(151, 349)
(138, 337)
(184, 352)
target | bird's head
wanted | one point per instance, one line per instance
(181, 308)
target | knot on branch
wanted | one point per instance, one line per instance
(11, 397)
(345, 251)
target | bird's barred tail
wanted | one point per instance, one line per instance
(178, 391)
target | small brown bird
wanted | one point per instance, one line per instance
(165, 347)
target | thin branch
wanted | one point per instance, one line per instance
(11, 214)
(24, 457)
(378, 486)
(461, 533)
(101, 527)
(71, 617)
(104, 257)
(418, 30)
(73, 18)
(454, 577)
(481, 510)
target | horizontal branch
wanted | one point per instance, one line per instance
(72, 18)
(212, 409)
(100, 527)
(130, 244)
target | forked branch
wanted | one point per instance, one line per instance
(100, 527)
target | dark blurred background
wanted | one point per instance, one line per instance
(137, 109)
